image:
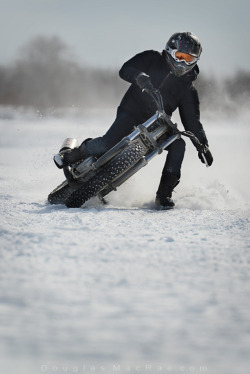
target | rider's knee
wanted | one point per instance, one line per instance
(181, 144)
(177, 146)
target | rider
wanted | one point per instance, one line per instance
(172, 72)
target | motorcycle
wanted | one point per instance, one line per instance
(98, 176)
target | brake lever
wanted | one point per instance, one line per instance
(205, 160)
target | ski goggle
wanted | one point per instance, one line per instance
(182, 57)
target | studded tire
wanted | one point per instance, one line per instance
(108, 173)
(61, 193)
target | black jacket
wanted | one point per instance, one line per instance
(177, 92)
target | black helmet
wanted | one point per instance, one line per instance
(183, 51)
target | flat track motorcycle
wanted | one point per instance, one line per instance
(98, 176)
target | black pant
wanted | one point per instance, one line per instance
(123, 126)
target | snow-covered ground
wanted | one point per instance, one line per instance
(124, 288)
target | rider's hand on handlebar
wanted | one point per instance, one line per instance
(143, 81)
(207, 154)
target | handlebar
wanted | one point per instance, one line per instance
(156, 95)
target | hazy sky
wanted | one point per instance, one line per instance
(108, 32)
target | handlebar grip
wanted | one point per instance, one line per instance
(156, 95)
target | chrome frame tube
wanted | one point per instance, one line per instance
(146, 124)
(164, 145)
(170, 140)
(158, 132)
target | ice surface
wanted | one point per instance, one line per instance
(124, 288)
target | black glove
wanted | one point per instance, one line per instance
(207, 154)
(70, 157)
(143, 81)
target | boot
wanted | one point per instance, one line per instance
(163, 199)
(76, 154)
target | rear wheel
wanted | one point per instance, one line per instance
(61, 193)
(122, 162)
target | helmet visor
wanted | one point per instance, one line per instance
(184, 56)
(179, 56)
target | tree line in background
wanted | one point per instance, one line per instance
(46, 76)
